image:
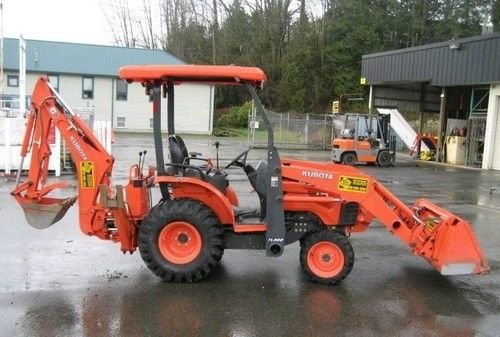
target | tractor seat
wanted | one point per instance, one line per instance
(178, 150)
(347, 133)
(180, 158)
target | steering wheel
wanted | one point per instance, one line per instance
(236, 161)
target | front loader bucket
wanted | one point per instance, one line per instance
(44, 212)
(446, 241)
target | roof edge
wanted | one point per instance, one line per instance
(432, 45)
(95, 45)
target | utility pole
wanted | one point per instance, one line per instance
(22, 76)
(1, 49)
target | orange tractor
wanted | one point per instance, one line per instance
(182, 236)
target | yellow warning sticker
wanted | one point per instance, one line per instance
(353, 184)
(87, 174)
(432, 223)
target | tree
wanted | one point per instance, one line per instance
(311, 57)
(351, 31)
(495, 15)
(121, 23)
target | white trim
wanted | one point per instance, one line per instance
(491, 123)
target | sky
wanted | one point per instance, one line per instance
(80, 21)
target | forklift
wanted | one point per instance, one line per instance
(365, 138)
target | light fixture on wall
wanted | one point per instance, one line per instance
(454, 45)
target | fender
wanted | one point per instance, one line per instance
(202, 191)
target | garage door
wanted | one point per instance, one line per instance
(496, 148)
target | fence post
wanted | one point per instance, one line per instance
(7, 137)
(324, 133)
(288, 122)
(281, 127)
(109, 136)
(307, 130)
(103, 132)
(57, 157)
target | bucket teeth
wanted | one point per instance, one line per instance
(45, 212)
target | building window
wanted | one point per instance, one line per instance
(12, 80)
(121, 90)
(54, 80)
(88, 87)
(120, 122)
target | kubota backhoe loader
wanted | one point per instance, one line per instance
(183, 235)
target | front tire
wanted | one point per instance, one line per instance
(326, 256)
(181, 240)
(384, 158)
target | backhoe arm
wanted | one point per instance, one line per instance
(93, 163)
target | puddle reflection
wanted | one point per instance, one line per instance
(245, 309)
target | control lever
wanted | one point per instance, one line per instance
(217, 154)
(143, 161)
(139, 164)
(142, 155)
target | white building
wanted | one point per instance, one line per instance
(87, 76)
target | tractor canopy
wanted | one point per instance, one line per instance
(212, 74)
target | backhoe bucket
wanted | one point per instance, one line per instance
(45, 212)
(446, 241)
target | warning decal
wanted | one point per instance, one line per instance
(87, 174)
(353, 184)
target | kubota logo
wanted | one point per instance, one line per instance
(318, 175)
(78, 147)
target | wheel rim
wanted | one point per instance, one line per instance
(385, 159)
(180, 242)
(325, 259)
(349, 159)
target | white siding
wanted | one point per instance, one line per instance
(136, 109)
(491, 154)
(496, 146)
(193, 103)
(10, 90)
(70, 88)
(193, 109)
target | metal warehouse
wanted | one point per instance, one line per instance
(459, 79)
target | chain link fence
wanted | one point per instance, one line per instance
(294, 131)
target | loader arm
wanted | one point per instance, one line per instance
(445, 240)
(93, 164)
(442, 238)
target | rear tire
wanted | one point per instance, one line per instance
(384, 158)
(349, 158)
(181, 240)
(326, 256)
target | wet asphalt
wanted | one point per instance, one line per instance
(58, 282)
